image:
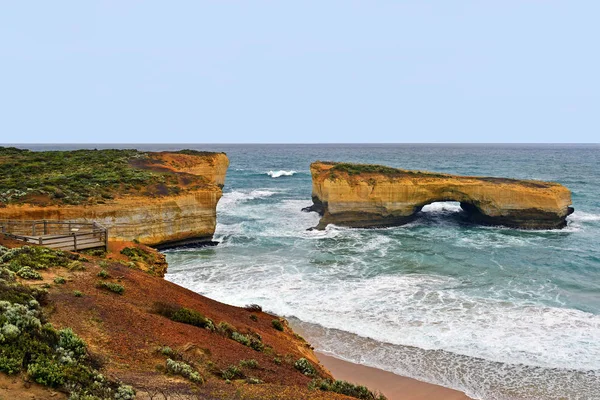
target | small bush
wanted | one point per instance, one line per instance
(232, 372)
(277, 325)
(59, 280)
(253, 317)
(249, 363)
(183, 315)
(345, 388)
(28, 273)
(253, 381)
(103, 274)
(240, 338)
(304, 366)
(113, 287)
(76, 266)
(253, 307)
(277, 360)
(77, 293)
(185, 370)
(166, 351)
(103, 264)
(225, 329)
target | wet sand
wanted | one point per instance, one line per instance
(394, 387)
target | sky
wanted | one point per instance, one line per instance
(299, 72)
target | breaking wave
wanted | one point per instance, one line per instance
(280, 173)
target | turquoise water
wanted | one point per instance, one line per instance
(498, 313)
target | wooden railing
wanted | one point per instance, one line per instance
(63, 235)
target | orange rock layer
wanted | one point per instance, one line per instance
(369, 196)
(161, 220)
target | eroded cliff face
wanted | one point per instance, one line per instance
(155, 219)
(364, 196)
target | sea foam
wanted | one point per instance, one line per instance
(280, 173)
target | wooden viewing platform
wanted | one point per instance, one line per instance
(59, 235)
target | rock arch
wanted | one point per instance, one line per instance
(363, 196)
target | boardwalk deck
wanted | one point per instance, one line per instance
(59, 235)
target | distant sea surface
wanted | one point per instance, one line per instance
(498, 313)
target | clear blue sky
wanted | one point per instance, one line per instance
(301, 72)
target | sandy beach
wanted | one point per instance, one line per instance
(394, 387)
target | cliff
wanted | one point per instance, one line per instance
(98, 328)
(155, 198)
(357, 195)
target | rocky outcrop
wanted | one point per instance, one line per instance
(154, 219)
(363, 196)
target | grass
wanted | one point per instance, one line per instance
(112, 287)
(82, 176)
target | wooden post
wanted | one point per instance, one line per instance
(106, 239)
(74, 241)
(40, 241)
(33, 228)
(45, 227)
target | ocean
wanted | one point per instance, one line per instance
(495, 312)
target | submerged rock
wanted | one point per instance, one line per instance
(363, 196)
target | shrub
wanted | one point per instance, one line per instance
(277, 360)
(185, 370)
(240, 338)
(28, 273)
(59, 280)
(225, 329)
(77, 293)
(304, 366)
(103, 274)
(345, 388)
(76, 266)
(277, 325)
(254, 343)
(253, 381)
(253, 317)
(253, 307)
(34, 258)
(232, 372)
(103, 264)
(183, 315)
(166, 351)
(249, 363)
(53, 358)
(137, 254)
(113, 287)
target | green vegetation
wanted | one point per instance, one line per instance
(77, 293)
(113, 287)
(137, 254)
(232, 372)
(253, 317)
(253, 381)
(277, 325)
(83, 176)
(355, 169)
(304, 366)
(103, 274)
(345, 388)
(249, 364)
(28, 273)
(183, 315)
(38, 258)
(183, 369)
(59, 280)
(252, 341)
(50, 357)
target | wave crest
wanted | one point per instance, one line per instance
(277, 174)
